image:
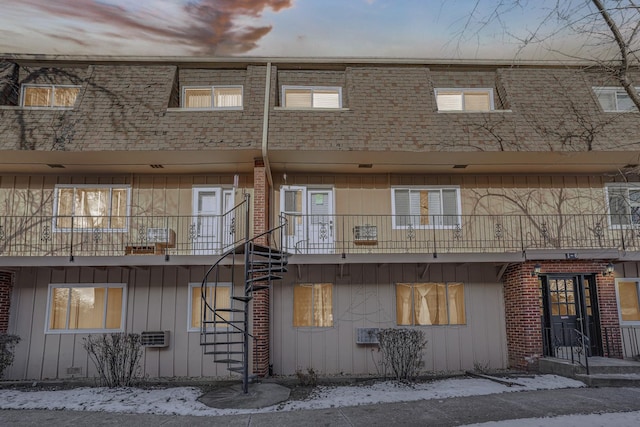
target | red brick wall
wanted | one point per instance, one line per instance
(6, 284)
(260, 298)
(522, 306)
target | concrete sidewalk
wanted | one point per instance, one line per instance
(437, 412)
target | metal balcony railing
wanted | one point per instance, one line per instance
(116, 236)
(349, 234)
(314, 234)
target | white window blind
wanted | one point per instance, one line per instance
(215, 97)
(464, 99)
(425, 207)
(614, 99)
(312, 97)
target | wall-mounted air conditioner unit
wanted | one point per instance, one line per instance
(157, 339)
(161, 235)
(367, 336)
(365, 234)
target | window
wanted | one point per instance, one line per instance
(91, 206)
(311, 97)
(614, 99)
(425, 207)
(628, 299)
(86, 308)
(430, 304)
(52, 96)
(624, 205)
(464, 99)
(212, 98)
(313, 305)
(216, 296)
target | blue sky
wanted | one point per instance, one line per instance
(298, 28)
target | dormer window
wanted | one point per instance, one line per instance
(614, 99)
(311, 97)
(212, 97)
(49, 96)
(464, 99)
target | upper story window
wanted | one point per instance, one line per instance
(614, 99)
(624, 204)
(311, 97)
(86, 307)
(50, 96)
(464, 99)
(212, 97)
(103, 207)
(426, 207)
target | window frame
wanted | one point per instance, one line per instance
(629, 205)
(446, 298)
(183, 98)
(56, 214)
(23, 94)
(332, 306)
(337, 89)
(630, 279)
(66, 330)
(462, 91)
(190, 302)
(395, 215)
(597, 90)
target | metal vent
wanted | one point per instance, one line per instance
(161, 235)
(367, 335)
(365, 233)
(154, 338)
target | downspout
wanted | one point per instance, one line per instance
(265, 128)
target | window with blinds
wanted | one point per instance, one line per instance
(86, 307)
(212, 98)
(464, 99)
(624, 205)
(426, 207)
(103, 207)
(311, 97)
(614, 99)
(628, 299)
(49, 96)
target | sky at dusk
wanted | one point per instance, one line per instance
(275, 28)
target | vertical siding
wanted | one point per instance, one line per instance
(364, 296)
(157, 299)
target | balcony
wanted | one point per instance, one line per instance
(72, 237)
(460, 234)
(341, 235)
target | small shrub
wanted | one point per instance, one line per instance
(309, 378)
(7, 345)
(402, 352)
(116, 356)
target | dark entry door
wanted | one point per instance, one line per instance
(570, 315)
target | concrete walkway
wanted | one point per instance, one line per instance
(437, 412)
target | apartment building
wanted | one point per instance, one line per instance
(494, 206)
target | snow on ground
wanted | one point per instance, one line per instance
(183, 400)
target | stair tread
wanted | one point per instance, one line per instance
(227, 361)
(265, 278)
(221, 342)
(229, 310)
(243, 299)
(223, 352)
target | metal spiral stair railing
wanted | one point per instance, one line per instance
(224, 331)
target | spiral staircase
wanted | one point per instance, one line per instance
(225, 329)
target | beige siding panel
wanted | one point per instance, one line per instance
(365, 297)
(168, 321)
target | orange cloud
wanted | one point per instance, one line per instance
(208, 27)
